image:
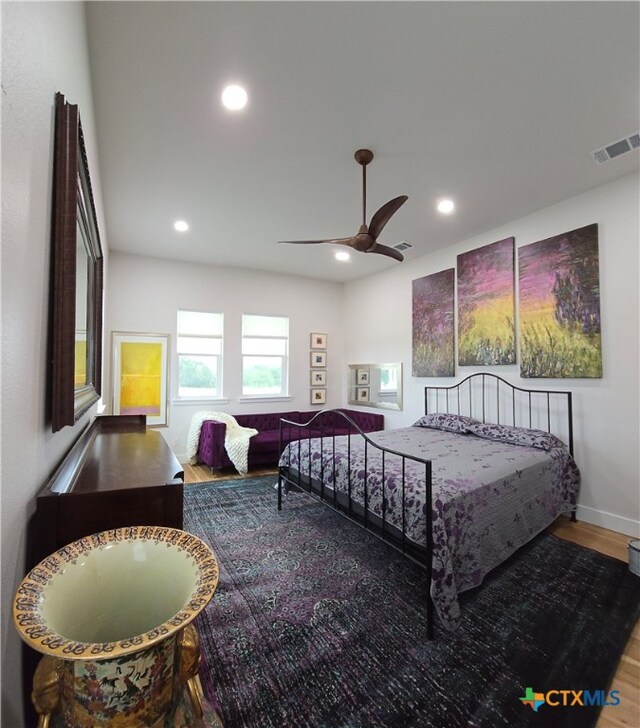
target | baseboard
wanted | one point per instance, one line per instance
(609, 520)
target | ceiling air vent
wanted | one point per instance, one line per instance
(402, 246)
(611, 151)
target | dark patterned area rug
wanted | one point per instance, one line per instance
(316, 623)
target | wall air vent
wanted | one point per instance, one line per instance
(615, 149)
(402, 246)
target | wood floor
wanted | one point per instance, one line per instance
(627, 678)
(202, 473)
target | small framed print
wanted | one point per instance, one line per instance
(362, 394)
(319, 378)
(362, 376)
(318, 341)
(318, 396)
(318, 358)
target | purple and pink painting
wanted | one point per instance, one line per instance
(433, 329)
(486, 305)
(560, 306)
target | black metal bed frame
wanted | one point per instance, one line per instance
(486, 397)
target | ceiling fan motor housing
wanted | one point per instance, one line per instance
(363, 156)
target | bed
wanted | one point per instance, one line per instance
(487, 468)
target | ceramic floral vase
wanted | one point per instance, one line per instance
(112, 614)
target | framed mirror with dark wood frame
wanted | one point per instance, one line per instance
(77, 266)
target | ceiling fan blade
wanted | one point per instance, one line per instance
(384, 214)
(301, 242)
(333, 241)
(386, 250)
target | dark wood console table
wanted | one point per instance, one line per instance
(119, 473)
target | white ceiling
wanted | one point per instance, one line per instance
(496, 104)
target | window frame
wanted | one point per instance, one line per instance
(219, 395)
(284, 370)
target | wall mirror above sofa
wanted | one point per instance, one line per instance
(376, 385)
(76, 338)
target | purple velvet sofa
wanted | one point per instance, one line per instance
(264, 448)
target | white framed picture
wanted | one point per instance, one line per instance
(362, 376)
(318, 378)
(139, 375)
(362, 394)
(318, 341)
(318, 396)
(318, 358)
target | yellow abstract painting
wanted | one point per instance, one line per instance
(140, 378)
(80, 363)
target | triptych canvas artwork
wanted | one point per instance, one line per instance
(433, 325)
(558, 305)
(486, 305)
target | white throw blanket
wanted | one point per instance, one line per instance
(236, 441)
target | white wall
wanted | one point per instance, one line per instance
(145, 294)
(606, 411)
(44, 50)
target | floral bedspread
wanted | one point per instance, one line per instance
(489, 497)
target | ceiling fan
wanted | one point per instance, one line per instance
(366, 240)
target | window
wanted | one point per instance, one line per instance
(199, 347)
(265, 355)
(389, 379)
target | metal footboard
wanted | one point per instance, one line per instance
(357, 511)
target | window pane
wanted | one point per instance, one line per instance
(265, 342)
(265, 325)
(388, 380)
(200, 323)
(273, 347)
(199, 344)
(262, 375)
(193, 345)
(197, 376)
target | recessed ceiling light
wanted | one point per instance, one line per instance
(342, 255)
(234, 97)
(181, 226)
(446, 207)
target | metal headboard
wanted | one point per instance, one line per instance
(490, 398)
